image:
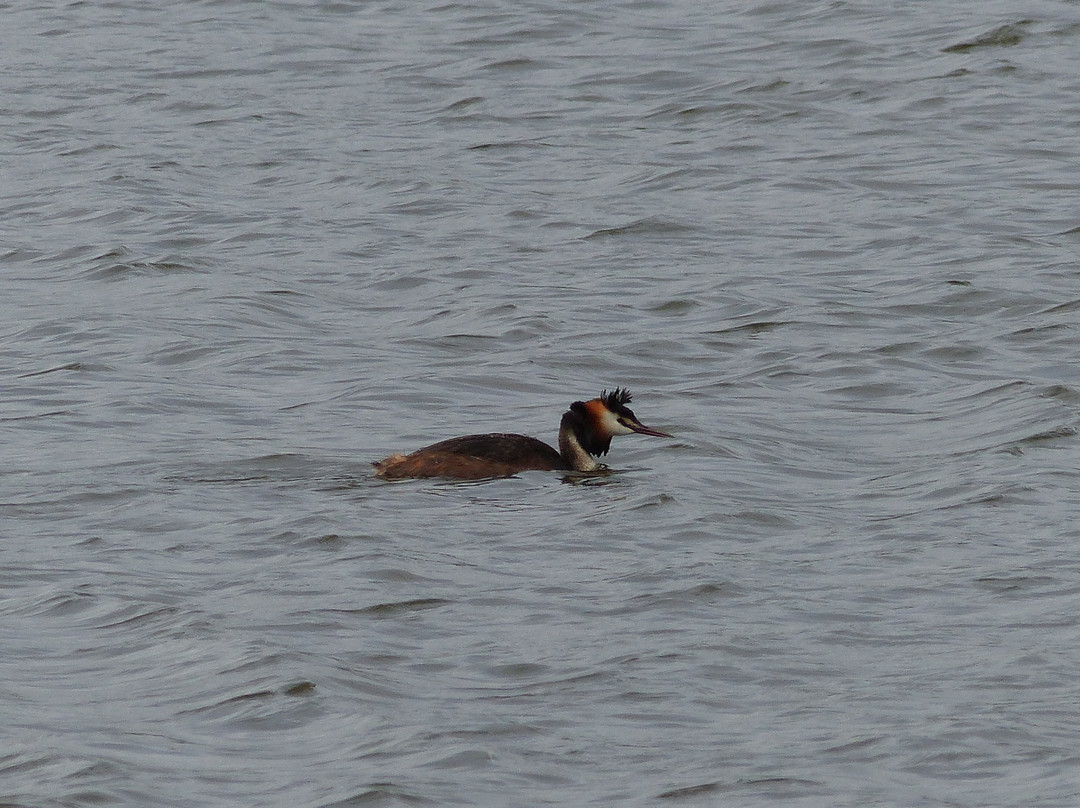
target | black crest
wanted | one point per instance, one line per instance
(617, 400)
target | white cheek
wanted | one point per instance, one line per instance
(612, 426)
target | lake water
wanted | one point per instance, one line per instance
(247, 249)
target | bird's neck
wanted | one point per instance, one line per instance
(570, 445)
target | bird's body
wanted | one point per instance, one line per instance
(584, 434)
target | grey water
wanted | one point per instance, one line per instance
(246, 249)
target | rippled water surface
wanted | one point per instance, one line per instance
(249, 248)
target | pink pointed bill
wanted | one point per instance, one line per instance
(645, 430)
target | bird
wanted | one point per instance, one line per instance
(585, 433)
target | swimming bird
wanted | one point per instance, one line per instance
(585, 433)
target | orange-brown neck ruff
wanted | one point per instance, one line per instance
(586, 420)
(597, 411)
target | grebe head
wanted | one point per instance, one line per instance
(618, 419)
(603, 418)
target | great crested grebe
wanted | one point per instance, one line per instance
(585, 433)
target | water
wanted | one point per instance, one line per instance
(247, 249)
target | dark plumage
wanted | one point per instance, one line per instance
(585, 432)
